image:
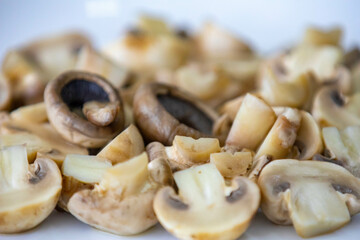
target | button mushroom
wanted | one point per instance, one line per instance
(162, 112)
(122, 202)
(332, 108)
(343, 147)
(66, 96)
(316, 197)
(205, 208)
(28, 193)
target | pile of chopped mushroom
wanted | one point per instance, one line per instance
(194, 131)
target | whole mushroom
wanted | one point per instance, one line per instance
(162, 112)
(71, 94)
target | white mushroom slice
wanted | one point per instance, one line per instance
(217, 44)
(204, 82)
(148, 53)
(92, 61)
(344, 146)
(286, 92)
(28, 193)
(205, 207)
(332, 108)
(187, 151)
(122, 202)
(232, 165)
(86, 169)
(308, 139)
(321, 60)
(282, 136)
(320, 37)
(128, 144)
(35, 113)
(252, 122)
(316, 197)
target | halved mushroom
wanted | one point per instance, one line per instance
(122, 202)
(319, 37)
(316, 197)
(343, 146)
(28, 193)
(205, 208)
(332, 108)
(66, 96)
(216, 44)
(162, 112)
(5, 93)
(92, 61)
(252, 123)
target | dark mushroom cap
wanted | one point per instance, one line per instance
(162, 112)
(65, 97)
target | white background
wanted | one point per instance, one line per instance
(268, 25)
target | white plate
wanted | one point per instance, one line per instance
(62, 226)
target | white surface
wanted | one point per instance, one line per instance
(62, 226)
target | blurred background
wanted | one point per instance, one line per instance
(267, 25)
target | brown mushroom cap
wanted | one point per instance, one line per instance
(316, 197)
(64, 99)
(162, 112)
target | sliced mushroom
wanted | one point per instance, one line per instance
(343, 146)
(65, 97)
(55, 54)
(26, 80)
(308, 139)
(332, 108)
(316, 197)
(282, 136)
(129, 143)
(232, 165)
(205, 208)
(5, 93)
(216, 44)
(122, 202)
(187, 152)
(34, 113)
(252, 123)
(28, 193)
(40, 139)
(91, 61)
(322, 61)
(143, 52)
(320, 37)
(162, 112)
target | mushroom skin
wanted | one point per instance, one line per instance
(205, 207)
(316, 197)
(64, 98)
(162, 111)
(28, 193)
(121, 203)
